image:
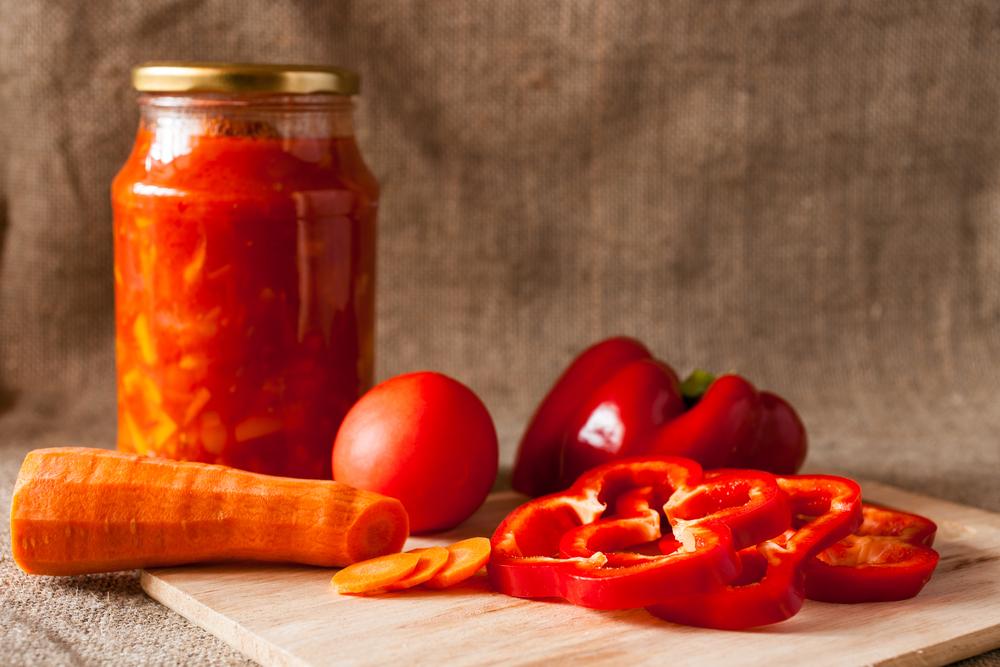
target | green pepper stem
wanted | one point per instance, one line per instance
(695, 385)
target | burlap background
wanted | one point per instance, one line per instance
(808, 192)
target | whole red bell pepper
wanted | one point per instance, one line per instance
(615, 421)
(887, 558)
(771, 586)
(536, 470)
(575, 545)
(731, 424)
(781, 443)
(599, 410)
(726, 418)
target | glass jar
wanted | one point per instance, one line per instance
(244, 226)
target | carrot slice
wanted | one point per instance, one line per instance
(374, 574)
(432, 559)
(465, 558)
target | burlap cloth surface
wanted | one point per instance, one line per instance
(807, 192)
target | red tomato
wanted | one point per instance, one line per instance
(425, 439)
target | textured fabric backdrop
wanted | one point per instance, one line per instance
(807, 192)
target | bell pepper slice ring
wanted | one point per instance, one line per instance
(887, 558)
(563, 545)
(887, 522)
(771, 587)
(636, 522)
(749, 502)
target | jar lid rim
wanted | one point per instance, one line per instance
(167, 76)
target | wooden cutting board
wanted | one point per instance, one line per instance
(281, 615)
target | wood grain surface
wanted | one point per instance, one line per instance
(286, 615)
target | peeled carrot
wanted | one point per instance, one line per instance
(432, 559)
(78, 510)
(465, 558)
(375, 574)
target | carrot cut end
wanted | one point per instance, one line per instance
(381, 530)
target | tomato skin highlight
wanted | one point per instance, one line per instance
(425, 439)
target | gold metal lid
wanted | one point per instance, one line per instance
(198, 77)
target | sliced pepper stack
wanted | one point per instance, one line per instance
(728, 549)
(569, 545)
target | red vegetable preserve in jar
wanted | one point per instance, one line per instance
(244, 266)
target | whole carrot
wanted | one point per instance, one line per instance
(77, 510)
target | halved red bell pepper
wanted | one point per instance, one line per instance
(619, 415)
(771, 586)
(571, 545)
(887, 558)
(536, 470)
